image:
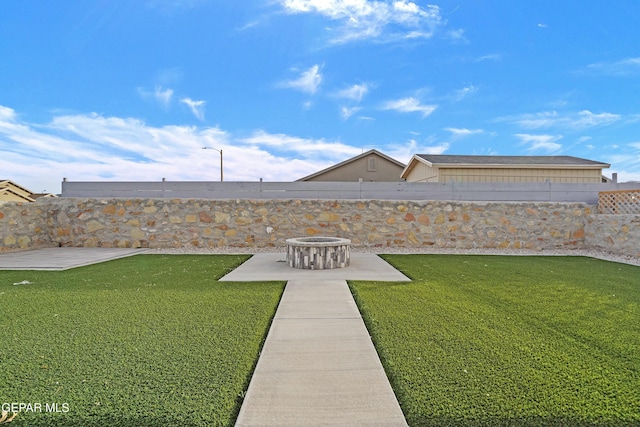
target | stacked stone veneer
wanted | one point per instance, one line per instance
(264, 223)
(614, 233)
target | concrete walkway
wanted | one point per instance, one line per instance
(57, 259)
(318, 365)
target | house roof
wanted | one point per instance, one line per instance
(8, 191)
(537, 162)
(353, 159)
(9, 187)
(484, 161)
(8, 183)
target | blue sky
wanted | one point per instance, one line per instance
(131, 90)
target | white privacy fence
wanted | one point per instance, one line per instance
(455, 191)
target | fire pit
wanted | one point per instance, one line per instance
(318, 253)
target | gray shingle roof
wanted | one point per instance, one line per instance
(441, 159)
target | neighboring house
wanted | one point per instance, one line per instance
(369, 166)
(446, 168)
(12, 192)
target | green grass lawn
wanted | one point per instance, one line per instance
(149, 340)
(521, 341)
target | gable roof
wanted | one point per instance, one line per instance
(8, 193)
(491, 161)
(353, 159)
(4, 183)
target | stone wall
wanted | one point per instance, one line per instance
(614, 233)
(243, 223)
(24, 226)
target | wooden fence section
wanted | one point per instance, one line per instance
(619, 202)
(454, 191)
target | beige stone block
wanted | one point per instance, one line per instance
(138, 234)
(390, 220)
(312, 231)
(191, 218)
(150, 209)
(243, 220)
(402, 208)
(439, 219)
(328, 217)
(91, 242)
(109, 210)
(93, 226)
(123, 244)
(231, 232)
(374, 237)
(221, 217)
(24, 241)
(10, 240)
(133, 222)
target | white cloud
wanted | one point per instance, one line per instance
(92, 147)
(545, 143)
(162, 97)
(308, 82)
(355, 92)
(625, 67)
(436, 149)
(460, 94)
(457, 36)
(409, 105)
(310, 148)
(368, 19)
(489, 57)
(7, 114)
(580, 120)
(196, 107)
(462, 132)
(346, 112)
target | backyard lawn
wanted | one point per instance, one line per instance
(149, 340)
(522, 341)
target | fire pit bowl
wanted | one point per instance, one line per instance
(318, 253)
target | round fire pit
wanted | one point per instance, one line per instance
(318, 253)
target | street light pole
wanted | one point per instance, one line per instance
(219, 151)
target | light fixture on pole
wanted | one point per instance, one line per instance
(219, 151)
